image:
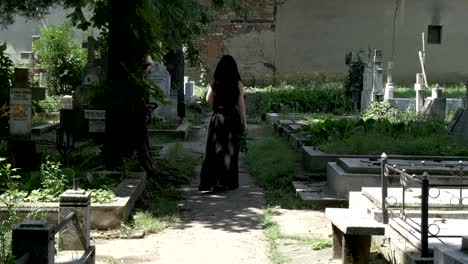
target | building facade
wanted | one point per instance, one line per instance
(295, 40)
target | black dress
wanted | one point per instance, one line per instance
(220, 169)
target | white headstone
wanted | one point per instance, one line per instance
(66, 102)
(190, 92)
(366, 94)
(419, 87)
(378, 89)
(160, 75)
(20, 112)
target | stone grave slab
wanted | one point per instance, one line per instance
(433, 167)
(452, 220)
(351, 174)
(443, 198)
(298, 139)
(316, 195)
(272, 117)
(460, 128)
(279, 126)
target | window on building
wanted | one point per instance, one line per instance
(434, 34)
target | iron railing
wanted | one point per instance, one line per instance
(405, 180)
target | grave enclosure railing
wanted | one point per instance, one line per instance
(34, 241)
(422, 180)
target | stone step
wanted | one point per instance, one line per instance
(316, 195)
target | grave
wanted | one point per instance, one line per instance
(434, 106)
(458, 127)
(420, 88)
(366, 93)
(20, 144)
(402, 243)
(299, 139)
(351, 174)
(103, 216)
(388, 95)
(162, 78)
(189, 93)
(377, 77)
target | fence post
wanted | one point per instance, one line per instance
(383, 181)
(76, 235)
(425, 216)
(35, 238)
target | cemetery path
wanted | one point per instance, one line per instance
(215, 228)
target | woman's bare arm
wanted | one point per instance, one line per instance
(209, 96)
(242, 105)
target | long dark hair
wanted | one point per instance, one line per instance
(225, 84)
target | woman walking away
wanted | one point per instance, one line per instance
(220, 169)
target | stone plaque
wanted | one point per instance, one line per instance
(97, 126)
(97, 120)
(95, 114)
(20, 112)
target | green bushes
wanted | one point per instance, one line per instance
(6, 70)
(372, 137)
(317, 96)
(63, 58)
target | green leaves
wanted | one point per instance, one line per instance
(6, 68)
(62, 57)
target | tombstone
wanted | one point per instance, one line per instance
(190, 92)
(20, 144)
(377, 77)
(434, 107)
(20, 106)
(366, 93)
(186, 80)
(388, 95)
(162, 78)
(97, 120)
(419, 87)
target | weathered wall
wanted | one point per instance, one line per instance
(313, 36)
(295, 40)
(447, 62)
(250, 40)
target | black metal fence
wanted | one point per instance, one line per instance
(423, 181)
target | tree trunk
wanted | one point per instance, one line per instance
(126, 128)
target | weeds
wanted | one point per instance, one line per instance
(274, 235)
(449, 91)
(157, 209)
(273, 164)
(317, 96)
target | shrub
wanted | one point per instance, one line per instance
(354, 79)
(6, 70)
(317, 96)
(381, 111)
(62, 57)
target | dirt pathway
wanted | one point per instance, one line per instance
(223, 228)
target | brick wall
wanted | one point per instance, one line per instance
(250, 39)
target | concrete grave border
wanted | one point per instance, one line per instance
(181, 132)
(103, 216)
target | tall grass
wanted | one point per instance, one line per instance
(316, 96)
(273, 164)
(449, 91)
